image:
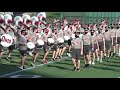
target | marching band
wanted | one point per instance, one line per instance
(30, 35)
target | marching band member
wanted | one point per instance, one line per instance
(94, 46)
(45, 36)
(101, 42)
(54, 35)
(69, 33)
(113, 34)
(86, 47)
(12, 32)
(118, 40)
(61, 34)
(2, 31)
(77, 44)
(107, 37)
(33, 38)
(23, 47)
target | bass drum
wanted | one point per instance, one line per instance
(30, 45)
(73, 36)
(66, 38)
(40, 42)
(50, 41)
(6, 40)
(60, 40)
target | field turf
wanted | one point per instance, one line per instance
(59, 69)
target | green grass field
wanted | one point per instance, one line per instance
(59, 69)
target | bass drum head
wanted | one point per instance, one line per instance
(80, 36)
(66, 38)
(30, 45)
(73, 36)
(6, 40)
(40, 42)
(51, 40)
(60, 40)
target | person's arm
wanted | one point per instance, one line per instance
(104, 42)
(81, 47)
(116, 36)
(112, 39)
(97, 44)
(92, 42)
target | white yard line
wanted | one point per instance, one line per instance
(2, 76)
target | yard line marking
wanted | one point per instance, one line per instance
(26, 76)
(30, 68)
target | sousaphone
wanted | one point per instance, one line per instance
(8, 19)
(41, 15)
(35, 21)
(18, 19)
(25, 18)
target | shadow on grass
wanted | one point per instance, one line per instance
(59, 67)
(7, 68)
(107, 68)
(113, 61)
(111, 65)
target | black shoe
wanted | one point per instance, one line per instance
(56, 59)
(22, 67)
(78, 69)
(9, 58)
(75, 69)
(113, 54)
(85, 66)
(53, 59)
(104, 57)
(88, 65)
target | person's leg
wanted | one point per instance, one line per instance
(56, 54)
(85, 60)
(46, 52)
(36, 56)
(93, 62)
(78, 67)
(23, 53)
(97, 56)
(23, 60)
(63, 50)
(69, 48)
(1, 52)
(101, 55)
(90, 57)
(10, 49)
(45, 56)
(78, 58)
(119, 50)
(53, 54)
(74, 63)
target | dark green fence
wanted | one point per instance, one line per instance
(88, 16)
